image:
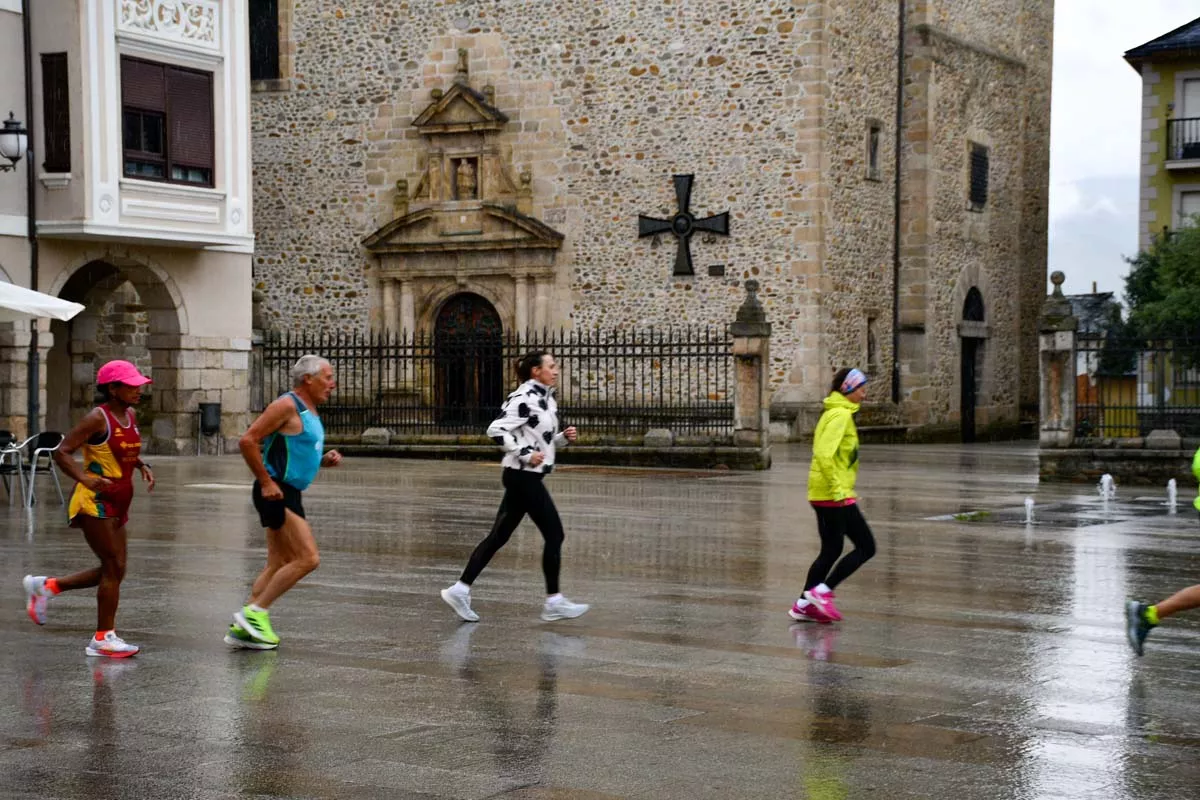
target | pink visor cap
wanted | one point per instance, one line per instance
(121, 372)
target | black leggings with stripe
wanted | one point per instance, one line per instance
(835, 524)
(524, 493)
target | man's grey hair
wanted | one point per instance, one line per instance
(306, 367)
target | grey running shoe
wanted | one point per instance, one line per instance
(1137, 627)
(461, 603)
(563, 609)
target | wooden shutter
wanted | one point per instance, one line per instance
(979, 177)
(264, 40)
(142, 85)
(189, 118)
(56, 113)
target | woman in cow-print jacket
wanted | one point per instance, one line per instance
(527, 429)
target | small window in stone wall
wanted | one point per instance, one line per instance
(874, 135)
(264, 40)
(872, 345)
(979, 177)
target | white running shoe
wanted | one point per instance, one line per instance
(461, 603)
(563, 609)
(113, 646)
(35, 598)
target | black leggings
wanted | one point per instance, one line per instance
(834, 524)
(524, 493)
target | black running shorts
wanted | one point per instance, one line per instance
(272, 512)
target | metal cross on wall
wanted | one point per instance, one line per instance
(683, 225)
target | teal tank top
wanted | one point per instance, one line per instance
(295, 458)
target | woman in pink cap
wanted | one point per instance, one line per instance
(112, 448)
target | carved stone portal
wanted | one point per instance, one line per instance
(467, 224)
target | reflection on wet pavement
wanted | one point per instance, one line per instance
(980, 657)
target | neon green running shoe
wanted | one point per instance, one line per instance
(236, 636)
(257, 624)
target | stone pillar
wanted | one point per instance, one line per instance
(522, 304)
(1056, 344)
(389, 305)
(408, 317)
(751, 397)
(541, 304)
(14, 377)
(190, 370)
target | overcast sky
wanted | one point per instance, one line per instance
(1095, 137)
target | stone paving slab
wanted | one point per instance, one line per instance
(979, 658)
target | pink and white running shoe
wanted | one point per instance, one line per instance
(809, 612)
(824, 601)
(35, 598)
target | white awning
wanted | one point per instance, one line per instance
(17, 303)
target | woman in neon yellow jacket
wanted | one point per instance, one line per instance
(1140, 617)
(831, 493)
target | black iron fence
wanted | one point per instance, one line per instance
(1128, 389)
(1183, 139)
(613, 384)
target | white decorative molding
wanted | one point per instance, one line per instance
(55, 180)
(73, 229)
(171, 212)
(187, 22)
(172, 190)
(13, 225)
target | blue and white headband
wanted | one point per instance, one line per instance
(853, 381)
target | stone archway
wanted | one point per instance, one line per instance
(972, 334)
(131, 313)
(468, 348)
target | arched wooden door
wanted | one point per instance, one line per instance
(469, 370)
(973, 311)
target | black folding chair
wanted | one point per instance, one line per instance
(41, 457)
(11, 463)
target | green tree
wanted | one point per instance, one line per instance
(1162, 289)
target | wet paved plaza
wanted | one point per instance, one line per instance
(979, 658)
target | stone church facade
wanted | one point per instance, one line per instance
(410, 155)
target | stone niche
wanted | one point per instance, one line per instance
(463, 223)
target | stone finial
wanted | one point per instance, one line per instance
(751, 317)
(1056, 311)
(437, 94)
(489, 94)
(461, 71)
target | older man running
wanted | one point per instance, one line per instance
(284, 448)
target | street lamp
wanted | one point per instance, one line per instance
(14, 141)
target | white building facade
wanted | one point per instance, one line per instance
(140, 153)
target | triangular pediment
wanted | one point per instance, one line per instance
(488, 226)
(460, 110)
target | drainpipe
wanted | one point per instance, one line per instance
(896, 210)
(33, 367)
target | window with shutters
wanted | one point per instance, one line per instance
(56, 113)
(979, 177)
(167, 122)
(264, 40)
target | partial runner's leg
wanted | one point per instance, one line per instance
(513, 508)
(545, 516)
(829, 528)
(859, 534)
(108, 542)
(277, 555)
(1183, 600)
(294, 550)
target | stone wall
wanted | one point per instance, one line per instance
(767, 102)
